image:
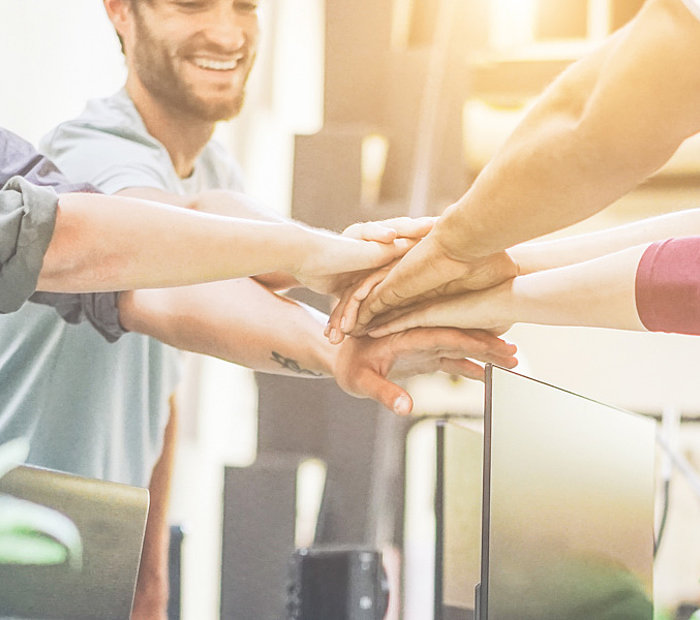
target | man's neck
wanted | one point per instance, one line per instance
(182, 135)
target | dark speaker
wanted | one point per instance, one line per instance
(337, 582)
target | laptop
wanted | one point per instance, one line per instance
(111, 519)
(567, 508)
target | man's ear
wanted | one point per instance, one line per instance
(119, 13)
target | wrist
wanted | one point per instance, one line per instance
(458, 237)
(305, 245)
(505, 305)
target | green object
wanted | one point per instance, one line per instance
(31, 534)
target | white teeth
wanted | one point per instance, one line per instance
(217, 65)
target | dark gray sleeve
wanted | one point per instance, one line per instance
(100, 309)
(27, 219)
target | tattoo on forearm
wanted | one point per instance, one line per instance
(293, 365)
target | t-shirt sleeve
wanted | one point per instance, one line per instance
(109, 160)
(27, 220)
(667, 286)
(28, 202)
(99, 309)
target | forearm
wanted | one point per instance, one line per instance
(537, 256)
(234, 204)
(237, 320)
(114, 243)
(595, 293)
(151, 597)
(600, 129)
(214, 201)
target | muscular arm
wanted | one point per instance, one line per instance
(602, 127)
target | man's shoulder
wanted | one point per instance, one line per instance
(108, 146)
(109, 118)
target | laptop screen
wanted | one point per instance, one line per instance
(568, 507)
(111, 519)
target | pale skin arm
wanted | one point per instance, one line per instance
(151, 597)
(603, 126)
(537, 256)
(235, 204)
(103, 243)
(594, 293)
(273, 334)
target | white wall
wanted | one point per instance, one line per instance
(53, 56)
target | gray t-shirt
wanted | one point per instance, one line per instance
(90, 407)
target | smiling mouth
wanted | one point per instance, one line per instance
(218, 65)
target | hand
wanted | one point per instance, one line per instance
(333, 268)
(426, 272)
(488, 309)
(363, 365)
(386, 231)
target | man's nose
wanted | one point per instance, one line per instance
(227, 29)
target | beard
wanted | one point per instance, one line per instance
(157, 70)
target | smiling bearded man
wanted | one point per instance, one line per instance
(189, 59)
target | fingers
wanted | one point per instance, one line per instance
(385, 231)
(417, 272)
(371, 384)
(457, 343)
(410, 320)
(371, 231)
(410, 227)
(463, 367)
(447, 313)
(342, 319)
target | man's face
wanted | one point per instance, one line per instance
(195, 55)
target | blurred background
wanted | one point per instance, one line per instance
(364, 110)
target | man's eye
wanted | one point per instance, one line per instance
(191, 5)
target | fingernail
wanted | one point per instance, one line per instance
(327, 330)
(334, 335)
(402, 405)
(342, 325)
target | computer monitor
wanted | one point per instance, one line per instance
(460, 455)
(568, 506)
(111, 519)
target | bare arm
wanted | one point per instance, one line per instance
(222, 202)
(243, 322)
(603, 126)
(151, 597)
(117, 243)
(536, 256)
(594, 293)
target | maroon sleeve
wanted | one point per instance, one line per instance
(668, 286)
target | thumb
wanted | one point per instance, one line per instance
(371, 384)
(370, 231)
